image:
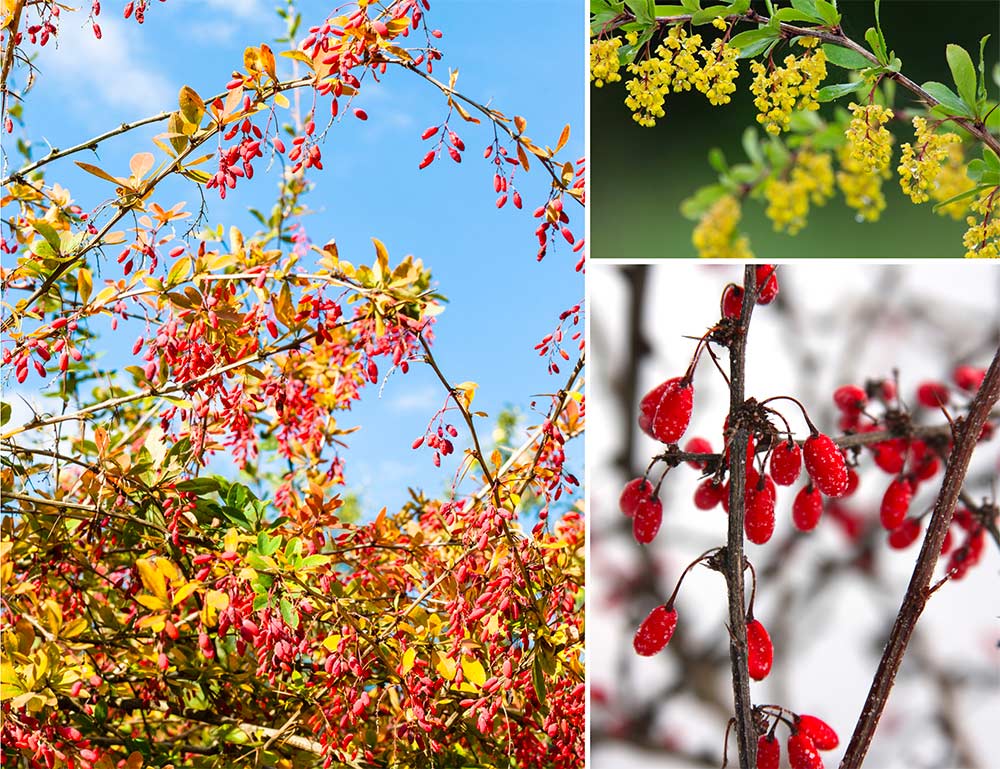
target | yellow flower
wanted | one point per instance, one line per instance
(604, 63)
(920, 166)
(862, 188)
(647, 90)
(715, 235)
(678, 51)
(719, 22)
(982, 239)
(810, 179)
(953, 181)
(715, 79)
(869, 140)
(785, 89)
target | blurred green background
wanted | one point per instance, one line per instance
(641, 175)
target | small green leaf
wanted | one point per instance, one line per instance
(691, 5)
(960, 196)
(828, 12)
(981, 90)
(792, 14)
(834, 92)
(48, 232)
(717, 159)
(199, 486)
(845, 57)
(670, 10)
(753, 41)
(696, 205)
(963, 73)
(877, 43)
(807, 7)
(947, 98)
(4, 413)
(288, 613)
(751, 146)
(976, 169)
(538, 678)
(707, 15)
(642, 10)
(991, 159)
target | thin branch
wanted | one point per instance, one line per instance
(917, 592)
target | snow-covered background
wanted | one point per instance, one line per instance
(827, 602)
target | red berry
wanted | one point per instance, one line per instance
(968, 377)
(767, 283)
(698, 446)
(905, 534)
(895, 503)
(933, 395)
(802, 753)
(665, 411)
(760, 652)
(786, 463)
(768, 752)
(708, 494)
(732, 301)
(636, 491)
(758, 522)
(807, 508)
(825, 465)
(850, 398)
(890, 455)
(646, 522)
(819, 731)
(655, 631)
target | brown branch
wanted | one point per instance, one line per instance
(733, 561)
(917, 592)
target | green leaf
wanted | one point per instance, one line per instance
(4, 413)
(791, 14)
(696, 205)
(259, 601)
(963, 73)
(807, 7)
(600, 6)
(48, 232)
(961, 196)
(828, 12)
(538, 678)
(981, 91)
(845, 57)
(191, 104)
(753, 41)
(976, 169)
(751, 146)
(947, 98)
(834, 92)
(670, 10)
(706, 15)
(717, 159)
(991, 159)
(288, 613)
(642, 10)
(691, 5)
(199, 486)
(600, 21)
(877, 43)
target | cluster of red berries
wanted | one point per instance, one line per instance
(807, 736)
(447, 139)
(551, 344)
(438, 439)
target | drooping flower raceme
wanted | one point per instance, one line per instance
(785, 89)
(716, 237)
(604, 63)
(920, 163)
(869, 140)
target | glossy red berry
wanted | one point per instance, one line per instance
(890, 455)
(732, 301)
(767, 283)
(819, 731)
(807, 508)
(905, 534)
(758, 521)
(647, 519)
(665, 411)
(655, 631)
(895, 503)
(968, 378)
(786, 463)
(760, 652)
(933, 395)
(825, 465)
(850, 398)
(708, 494)
(802, 753)
(768, 752)
(634, 494)
(698, 446)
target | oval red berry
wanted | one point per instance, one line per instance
(633, 494)
(646, 522)
(802, 753)
(768, 752)
(786, 463)
(819, 731)
(905, 534)
(825, 465)
(850, 398)
(767, 283)
(708, 494)
(655, 631)
(760, 652)
(807, 508)
(665, 411)
(895, 503)
(758, 521)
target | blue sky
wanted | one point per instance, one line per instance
(522, 57)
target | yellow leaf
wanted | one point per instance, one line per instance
(134, 761)
(114, 238)
(446, 667)
(152, 578)
(523, 157)
(409, 657)
(84, 284)
(99, 172)
(251, 59)
(520, 123)
(473, 671)
(152, 602)
(282, 101)
(141, 163)
(267, 61)
(331, 642)
(563, 138)
(465, 392)
(382, 259)
(183, 592)
(192, 107)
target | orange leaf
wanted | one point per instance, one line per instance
(563, 138)
(140, 164)
(520, 123)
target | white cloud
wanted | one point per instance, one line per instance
(420, 399)
(111, 69)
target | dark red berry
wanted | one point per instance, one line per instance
(890, 455)
(758, 521)
(968, 377)
(698, 446)
(933, 395)
(768, 752)
(665, 411)
(895, 503)
(767, 283)
(819, 731)
(802, 753)
(732, 301)
(635, 492)
(708, 494)
(807, 508)
(786, 463)
(647, 519)
(850, 398)
(825, 465)
(905, 534)
(655, 631)
(760, 652)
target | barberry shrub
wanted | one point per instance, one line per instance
(823, 452)
(831, 108)
(186, 581)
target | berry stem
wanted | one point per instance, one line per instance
(805, 414)
(669, 605)
(918, 591)
(746, 735)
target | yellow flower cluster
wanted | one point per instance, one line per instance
(953, 181)
(982, 240)
(678, 51)
(861, 187)
(787, 88)
(673, 65)
(716, 237)
(810, 179)
(715, 79)
(869, 140)
(604, 63)
(919, 167)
